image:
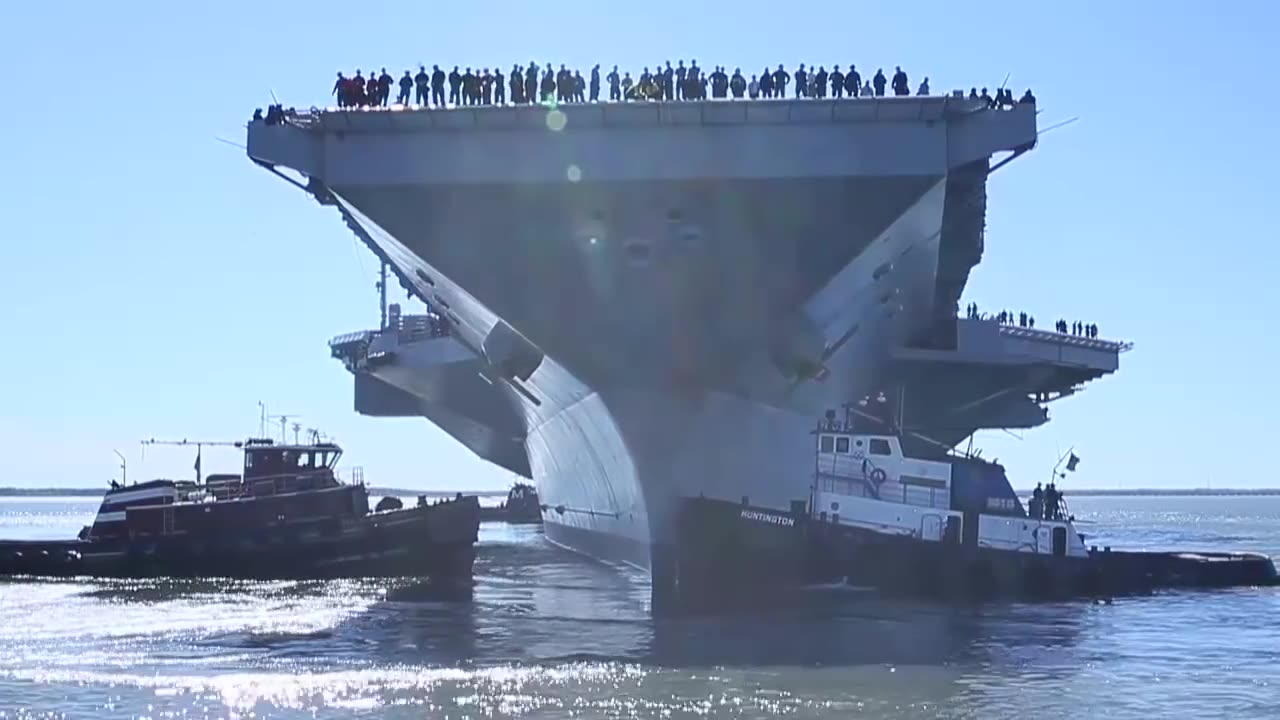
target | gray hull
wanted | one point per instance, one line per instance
(660, 406)
(657, 302)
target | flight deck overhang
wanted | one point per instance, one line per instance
(618, 142)
(986, 342)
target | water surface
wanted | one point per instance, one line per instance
(550, 635)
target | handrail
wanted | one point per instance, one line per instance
(307, 119)
(1065, 339)
(351, 337)
(407, 327)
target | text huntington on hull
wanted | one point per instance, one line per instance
(634, 303)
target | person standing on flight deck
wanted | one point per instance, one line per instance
(878, 81)
(455, 87)
(531, 84)
(615, 92)
(901, 86)
(516, 79)
(595, 83)
(837, 83)
(737, 84)
(384, 87)
(422, 86)
(406, 89)
(340, 90)
(852, 81)
(438, 79)
(780, 79)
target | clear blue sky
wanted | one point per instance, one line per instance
(153, 282)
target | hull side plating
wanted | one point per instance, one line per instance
(664, 400)
(644, 281)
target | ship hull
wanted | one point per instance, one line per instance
(653, 410)
(436, 541)
(613, 469)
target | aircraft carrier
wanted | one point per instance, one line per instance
(635, 303)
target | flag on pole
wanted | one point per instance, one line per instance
(197, 465)
(1072, 462)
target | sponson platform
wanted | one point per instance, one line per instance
(947, 528)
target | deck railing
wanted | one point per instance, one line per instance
(1065, 339)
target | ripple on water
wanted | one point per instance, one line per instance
(548, 635)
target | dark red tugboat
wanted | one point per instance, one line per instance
(286, 517)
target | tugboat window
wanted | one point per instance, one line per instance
(825, 444)
(842, 445)
(880, 446)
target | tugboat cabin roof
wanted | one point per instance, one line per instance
(260, 460)
(857, 444)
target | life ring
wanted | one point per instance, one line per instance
(878, 476)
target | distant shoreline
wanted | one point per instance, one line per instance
(402, 492)
(1166, 492)
(375, 491)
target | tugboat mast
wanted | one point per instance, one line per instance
(199, 448)
(124, 468)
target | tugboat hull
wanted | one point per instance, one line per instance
(908, 566)
(434, 541)
(732, 554)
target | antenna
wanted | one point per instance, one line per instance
(124, 467)
(284, 420)
(382, 294)
(274, 99)
(232, 143)
(1054, 474)
(262, 419)
(296, 428)
(1055, 126)
(199, 448)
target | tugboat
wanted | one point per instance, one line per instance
(946, 527)
(520, 507)
(287, 516)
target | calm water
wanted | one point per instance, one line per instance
(550, 635)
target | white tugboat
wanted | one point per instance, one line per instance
(948, 526)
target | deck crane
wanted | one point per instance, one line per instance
(200, 444)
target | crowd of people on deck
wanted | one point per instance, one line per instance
(1046, 503)
(1004, 317)
(466, 86)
